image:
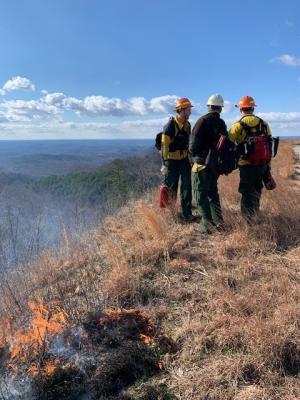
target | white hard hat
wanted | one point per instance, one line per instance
(215, 100)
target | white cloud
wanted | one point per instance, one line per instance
(228, 107)
(163, 104)
(138, 105)
(2, 118)
(18, 83)
(282, 124)
(82, 130)
(288, 59)
(55, 104)
(2, 92)
(280, 116)
(93, 106)
(98, 106)
(152, 123)
(43, 117)
(54, 99)
(290, 125)
(21, 110)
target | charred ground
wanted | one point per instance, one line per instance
(145, 308)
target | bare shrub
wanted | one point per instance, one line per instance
(230, 301)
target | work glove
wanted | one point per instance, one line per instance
(164, 170)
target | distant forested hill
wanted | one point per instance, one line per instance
(37, 213)
(41, 158)
(10, 178)
(115, 182)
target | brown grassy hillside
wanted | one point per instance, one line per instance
(206, 317)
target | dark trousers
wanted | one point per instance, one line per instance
(206, 195)
(251, 184)
(180, 169)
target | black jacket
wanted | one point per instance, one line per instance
(205, 135)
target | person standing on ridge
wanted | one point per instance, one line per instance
(205, 135)
(176, 164)
(254, 165)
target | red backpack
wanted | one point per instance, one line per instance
(258, 148)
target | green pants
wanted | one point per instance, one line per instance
(180, 169)
(251, 184)
(206, 195)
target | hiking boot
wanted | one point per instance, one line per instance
(189, 218)
(220, 227)
(204, 227)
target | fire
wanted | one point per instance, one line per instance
(49, 368)
(146, 339)
(31, 343)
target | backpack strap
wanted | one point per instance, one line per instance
(170, 128)
(261, 127)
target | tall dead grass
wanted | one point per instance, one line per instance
(231, 301)
(243, 341)
(136, 244)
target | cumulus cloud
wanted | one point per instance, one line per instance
(55, 99)
(98, 106)
(280, 116)
(55, 104)
(18, 83)
(138, 105)
(2, 92)
(281, 124)
(288, 59)
(21, 110)
(162, 104)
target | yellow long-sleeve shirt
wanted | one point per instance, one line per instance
(170, 131)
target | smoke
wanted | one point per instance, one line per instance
(16, 389)
(31, 222)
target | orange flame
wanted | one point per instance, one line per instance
(147, 339)
(49, 368)
(34, 340)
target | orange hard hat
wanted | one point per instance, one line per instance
(183, 102)
(246, 102)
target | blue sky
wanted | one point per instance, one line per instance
(113, 69)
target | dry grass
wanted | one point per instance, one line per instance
(243, 341)
(231, 301)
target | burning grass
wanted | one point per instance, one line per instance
(212, 318)
(111, 351)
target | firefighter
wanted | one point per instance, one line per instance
(176, 164)
(204, 138)
(254, 164)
